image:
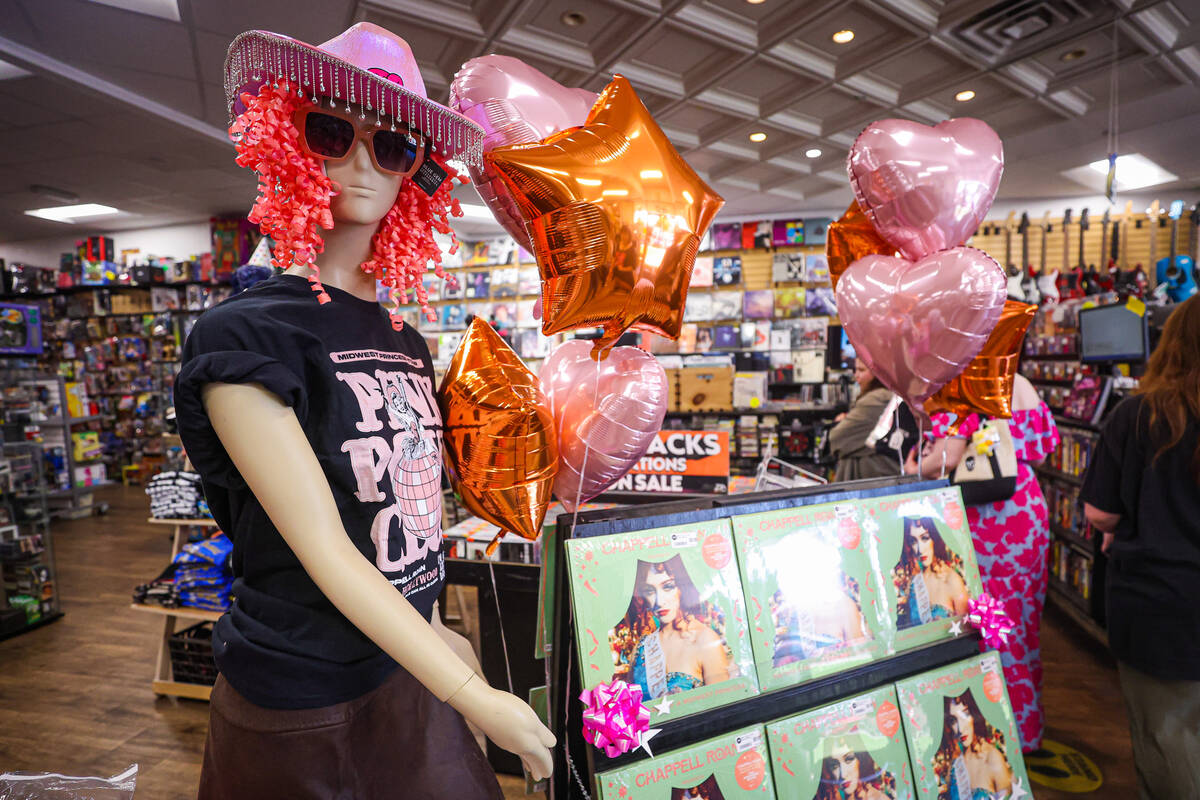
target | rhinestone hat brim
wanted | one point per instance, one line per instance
(256, 57)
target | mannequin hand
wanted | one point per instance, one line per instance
(509, 723)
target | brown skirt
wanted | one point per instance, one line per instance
(396, 741)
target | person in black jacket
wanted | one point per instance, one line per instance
(1142, 490)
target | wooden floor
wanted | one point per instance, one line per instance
(75, 695)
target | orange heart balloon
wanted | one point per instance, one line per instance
(850, 238)
(615, 216)
(986, 385)
(499, 434)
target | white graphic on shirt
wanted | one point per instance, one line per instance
(407, 531)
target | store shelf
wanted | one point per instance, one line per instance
(1073, 538)
(203, 522)
(70, 422)
(1054, 474)
(187, 613)
(1076, 423)
(45, 620)
(1073, 606)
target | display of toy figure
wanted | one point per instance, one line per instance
(310, 412)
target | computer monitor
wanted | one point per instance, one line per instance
(1112, 333)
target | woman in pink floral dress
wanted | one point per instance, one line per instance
(1012, 540)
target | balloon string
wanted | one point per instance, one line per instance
(566, 737)
(500, 619)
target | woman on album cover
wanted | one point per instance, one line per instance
(850, 772)
(669, 641)
(805, 627)
(970, 763)
(929, 584)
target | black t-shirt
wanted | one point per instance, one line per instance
(364, 396)
(1154, 563)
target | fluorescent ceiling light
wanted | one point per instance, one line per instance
(476, 212)
(163, 9)
(1134, 171)
(70, 214)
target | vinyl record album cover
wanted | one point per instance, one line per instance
(726, 337)
(504, 282)
(756, 235)
(962, 734)
(812, 332)
(727, 271)
(702, 272)
(478, 285)
(788, 267)
(816, 268)
(687, 337)
(816, 229)
(727, 236)
(853, 748)
(790, 302)
(758, 304)
(663, 609)
(726, 767)
(928, 561)
(821, 302)
(787, 231)
(699, 307)
(725, 305)
(814, 600)
(529, 281)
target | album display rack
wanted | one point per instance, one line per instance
(565, 710)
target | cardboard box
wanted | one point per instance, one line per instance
(706, 389)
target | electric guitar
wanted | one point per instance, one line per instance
(1030, 284)
(1047, 282)
(1016, 272)
(1102, 282)
(1075, 278)
(1174, 273)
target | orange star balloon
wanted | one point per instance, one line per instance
(499, 434)
(986, 385)
(615, 216)
(849, 239)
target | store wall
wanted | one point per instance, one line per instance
(172, 241)
(184, 241)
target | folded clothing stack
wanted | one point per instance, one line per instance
(176, 495)
(200, 576)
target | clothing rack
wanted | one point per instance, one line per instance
(571, 781)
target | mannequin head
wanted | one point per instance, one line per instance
(299, 194)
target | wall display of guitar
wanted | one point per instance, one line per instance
(1131, 281)
(1030, 283)
(1070, 283)
(1016, 270)
(1174, 273)
(1102, 281)
(1047, 282)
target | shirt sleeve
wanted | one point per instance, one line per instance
(945, 425)
(1035, 434)
(1102, 483)
(850, 435)
(227, 346)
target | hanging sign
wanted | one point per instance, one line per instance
(682, 462)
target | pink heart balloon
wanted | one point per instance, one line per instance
(514, 104)
(926, 189)
(606, 414)
(918, 325)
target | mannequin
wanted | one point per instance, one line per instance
(260, 432)
(301, 459)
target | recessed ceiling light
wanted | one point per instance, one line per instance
(1073, 55)
(813, 152)
(71, 213)
(758, 136)
(572, 19)
(843, 36)
(1134, 171)
(755, 2)
(965, 95)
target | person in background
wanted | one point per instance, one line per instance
(1012, 540)
(851, 441)
(1142, 490)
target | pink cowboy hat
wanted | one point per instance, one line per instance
(366, 65)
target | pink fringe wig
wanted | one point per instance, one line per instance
(293, 203)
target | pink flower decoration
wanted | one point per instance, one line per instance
(615, 717)
(985, 613)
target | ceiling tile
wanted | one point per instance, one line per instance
(759, 79)
(319, 22)
(873, 32)
(679, 53)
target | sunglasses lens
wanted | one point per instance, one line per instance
(396, 151)
(327, 135)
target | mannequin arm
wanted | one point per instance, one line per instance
(267, 445)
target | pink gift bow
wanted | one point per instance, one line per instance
(615, 718)
(985, 613)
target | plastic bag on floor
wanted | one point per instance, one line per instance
(52, 786)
